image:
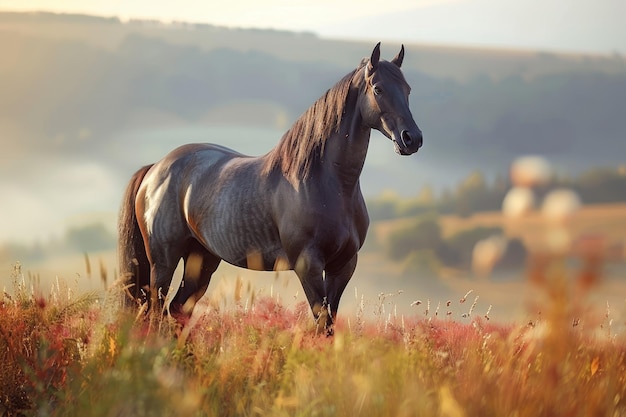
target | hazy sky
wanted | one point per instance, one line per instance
(566, 25)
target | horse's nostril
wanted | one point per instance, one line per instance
(406, 138)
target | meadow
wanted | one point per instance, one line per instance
(248, 351)
(67, 352)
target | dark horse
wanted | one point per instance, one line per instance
(298, 207)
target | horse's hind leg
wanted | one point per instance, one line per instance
(164, 257)
(199, 267)
(160, 280)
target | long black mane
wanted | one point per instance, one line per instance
(297, 148)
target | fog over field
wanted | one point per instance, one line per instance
(88, 100)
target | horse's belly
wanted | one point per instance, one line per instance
(257, 248)
(261, 261)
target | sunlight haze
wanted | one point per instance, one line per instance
(559, 25)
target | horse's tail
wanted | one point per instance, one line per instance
(133, 261)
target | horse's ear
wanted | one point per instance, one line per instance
(373, 64)
(398, 59)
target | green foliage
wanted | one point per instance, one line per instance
(382, 208)
(390, 205)
(462, 243)
(422, 247)
(423, 234)
(515, 255)
(602, 185)
(475, 194)
(424, 260)
(89, 238)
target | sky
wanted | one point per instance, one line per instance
(595, 26)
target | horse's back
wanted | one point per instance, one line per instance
(205, 151)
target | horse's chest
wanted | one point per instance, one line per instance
(339, 235)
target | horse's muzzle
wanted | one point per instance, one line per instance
(408, 142)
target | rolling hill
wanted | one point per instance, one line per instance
(101, 97)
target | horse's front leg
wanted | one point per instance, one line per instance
(337, 279)
(310, 270)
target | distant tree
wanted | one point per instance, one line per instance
(14, 252)
(383, 207)
(462, 243)
(424, 202)
(514, 256)
(602, 185)
(470, 194)
(91, 238)
(425, 260)
(423, 234)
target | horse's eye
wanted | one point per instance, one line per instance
(377, 89)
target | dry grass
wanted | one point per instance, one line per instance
(69, 355)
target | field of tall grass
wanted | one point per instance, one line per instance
(68, 353)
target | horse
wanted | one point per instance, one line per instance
(299, 207)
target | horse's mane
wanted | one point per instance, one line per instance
(305, 140)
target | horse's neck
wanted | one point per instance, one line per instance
(346, 151)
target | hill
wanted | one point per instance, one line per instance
(458, 63)
(106, 96)
(67, 74)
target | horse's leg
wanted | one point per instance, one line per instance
(164, 256)
(335, 283)
(200, 265)
(160, 278)
(310, 271)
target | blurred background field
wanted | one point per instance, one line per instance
(86, 100)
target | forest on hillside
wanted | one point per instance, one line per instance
(63, 87)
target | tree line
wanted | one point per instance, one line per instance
(476, 193)
(55, 86)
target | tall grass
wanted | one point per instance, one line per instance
(67, 354)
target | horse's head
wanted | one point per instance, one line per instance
(384, 103)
